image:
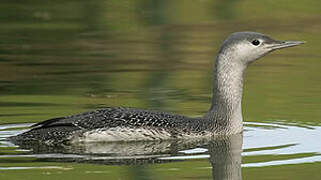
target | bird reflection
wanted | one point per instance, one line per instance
(225, 157)
(224, 154)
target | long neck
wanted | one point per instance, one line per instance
(225, 114)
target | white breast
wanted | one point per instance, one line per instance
(122, 134)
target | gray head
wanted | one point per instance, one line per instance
(247, 47)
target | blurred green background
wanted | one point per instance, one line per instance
(63, 57)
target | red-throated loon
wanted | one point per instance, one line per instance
(129, 124)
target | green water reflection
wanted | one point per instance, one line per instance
(63, 57)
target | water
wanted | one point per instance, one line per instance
(264, 145)
(63, 58)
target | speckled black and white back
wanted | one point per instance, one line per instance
(109, 124)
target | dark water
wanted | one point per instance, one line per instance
(65, 57)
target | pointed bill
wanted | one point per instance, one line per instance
(285, 44)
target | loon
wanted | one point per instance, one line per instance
(130, 124)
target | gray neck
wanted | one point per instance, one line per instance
(225, 114)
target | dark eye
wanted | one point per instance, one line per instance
(255, 42)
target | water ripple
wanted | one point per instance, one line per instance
(288, 144)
